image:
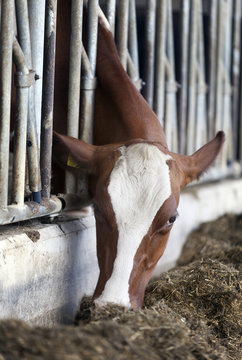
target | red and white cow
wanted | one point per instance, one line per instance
(134, 180)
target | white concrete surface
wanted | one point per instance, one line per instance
(43, 282)
(43, 275)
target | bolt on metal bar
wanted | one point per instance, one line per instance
(236, 74)
(111, 13)
(74, 81)
(37, 27)
(213, 21)
(6, 44)
(149, 51)
(133, 73)
(122, 31)
(32, 143)
(20, 128)
(182, 105)
(88, 82)
(48, 96)
(159, 92)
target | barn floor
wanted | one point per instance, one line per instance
(191, 312)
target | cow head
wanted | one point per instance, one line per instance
(135, 188)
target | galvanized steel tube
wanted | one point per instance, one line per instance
(20, 128)
(37, 27)
(159, 92)
(74, 81)
(132, 35)
(122, 31)
(213, 25)
(111, 13)
(6, 43)
(32, 143)
(48, 96)
(88, 82)
(191, 116)
(236, 74)
(149, 61)
(184, 41)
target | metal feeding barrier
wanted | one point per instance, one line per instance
(189, 62)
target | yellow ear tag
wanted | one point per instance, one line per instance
(71, 162)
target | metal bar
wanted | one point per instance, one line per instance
(20, 128)
(213, 22)
(133, 74)
(191, 118)
(88, 82)
(37, 26)
(30, 210)
(6, 42)
(159, 93)
(201, 119)
(149, 61)
(185, 11)
(74, 81)
(132, 35)
(236, 74)
(32, 148)
(48, 96)
(111, 12)
(122, 31)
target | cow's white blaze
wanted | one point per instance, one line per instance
(139, 185)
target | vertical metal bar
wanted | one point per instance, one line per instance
(111, 13)
(6, 42)
(74, 81)
(32, 148)
(20, 128)
(201, 119)
(132, 35)
(159, 93)
(122, 31)
(149, 51)
(185, 11)
(236, 73)
(48, 96)
(192, 81)
(37, 26)
(213, 22)
(88, 81)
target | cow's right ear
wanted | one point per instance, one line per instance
(73, 154)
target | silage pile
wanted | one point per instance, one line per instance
(191, 312)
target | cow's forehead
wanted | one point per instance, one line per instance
(139, 185)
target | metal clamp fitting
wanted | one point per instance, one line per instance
(22, 80)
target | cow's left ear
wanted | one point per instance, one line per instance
(194, 165)
(73, 154)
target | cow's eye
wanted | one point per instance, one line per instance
(172, 220)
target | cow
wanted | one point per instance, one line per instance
(134, 180)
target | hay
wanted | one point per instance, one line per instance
(191, 312)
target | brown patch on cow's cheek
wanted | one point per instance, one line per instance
(148, 254)
(106, 227)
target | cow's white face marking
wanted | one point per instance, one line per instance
(139, 185)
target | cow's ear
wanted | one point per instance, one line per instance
(73, 154)
(194, 165)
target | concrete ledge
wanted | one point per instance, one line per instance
(46, 269)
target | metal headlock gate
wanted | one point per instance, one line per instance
(191, 77)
